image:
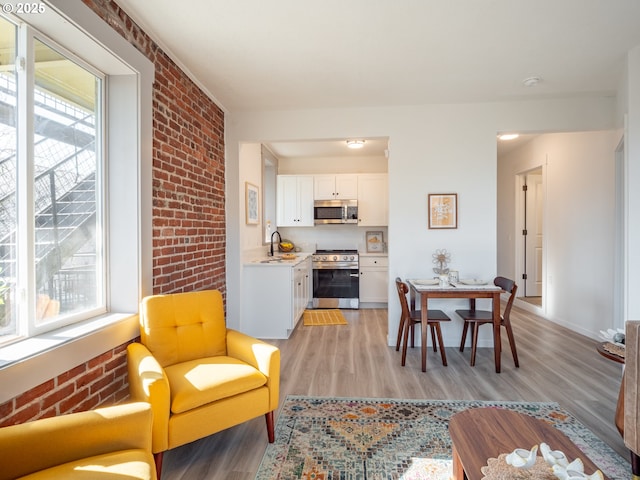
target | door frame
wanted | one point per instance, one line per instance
(519, 223)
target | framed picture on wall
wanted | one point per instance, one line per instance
(443, 210)
(251, 203)
(375, 242)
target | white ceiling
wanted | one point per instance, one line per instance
(296, 54)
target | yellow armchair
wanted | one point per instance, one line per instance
(199, 377)
(101, 444)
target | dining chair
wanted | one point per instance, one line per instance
(408, 320)
(480, 317)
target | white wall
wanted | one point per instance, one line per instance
(250, 167)
(579, 184)
(632, 150)
(320, 165)
(432, 149)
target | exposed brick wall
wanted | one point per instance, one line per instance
(188, 221)
(100, 381)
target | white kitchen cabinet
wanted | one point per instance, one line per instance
(274, 298)
(374, 278)
(373, 200)
(294, 201)
(335, 187)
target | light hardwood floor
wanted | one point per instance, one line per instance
(354, 361)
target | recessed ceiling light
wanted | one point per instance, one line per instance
(355, 143)
(531, 81)
(508, 136)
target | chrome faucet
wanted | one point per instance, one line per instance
(279, 241)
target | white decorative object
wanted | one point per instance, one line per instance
(616, 337)
(553, 457)
(522, 458)
(441, 258)
(557, 460)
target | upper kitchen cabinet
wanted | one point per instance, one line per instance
(295, 201)
(373, 200)
(336, 187)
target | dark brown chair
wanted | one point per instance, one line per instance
(408, 320)
(480, 317)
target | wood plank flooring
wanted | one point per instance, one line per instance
(354, 361)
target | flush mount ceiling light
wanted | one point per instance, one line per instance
(531, 81)
(508, 136)
(355, 143)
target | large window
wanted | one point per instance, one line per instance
(51, 177)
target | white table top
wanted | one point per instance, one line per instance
(422, 285)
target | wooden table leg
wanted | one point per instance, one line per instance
(458, 470)
(423, 330)
(497, 341)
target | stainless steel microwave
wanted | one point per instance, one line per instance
(335, 211)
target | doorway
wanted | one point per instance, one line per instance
(530, 236)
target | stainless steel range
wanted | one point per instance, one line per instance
(336, 279)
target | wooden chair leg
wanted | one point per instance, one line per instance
(400, 330)
(474, 343)
(512, 343)
(413, 333)
(433, 336)
(465, 327)
(407, 325)
(443, 355)
(157, 458)
(270, 426)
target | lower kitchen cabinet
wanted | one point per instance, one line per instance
(374, 278)
(275, 296)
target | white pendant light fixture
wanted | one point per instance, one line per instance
(355, 143)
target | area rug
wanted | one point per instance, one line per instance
(323, 317)
(367, 438)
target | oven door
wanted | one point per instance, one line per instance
(336, 288)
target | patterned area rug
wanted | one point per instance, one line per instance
(323, 317)
(347, 439)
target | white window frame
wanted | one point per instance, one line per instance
(128, 148)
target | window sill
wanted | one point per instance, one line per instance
(30, 362)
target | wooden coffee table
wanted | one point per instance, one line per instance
(478, 434)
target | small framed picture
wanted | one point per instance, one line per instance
(443, 210)
(252, 204)
(375, 242)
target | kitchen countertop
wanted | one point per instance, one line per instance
(277, 260)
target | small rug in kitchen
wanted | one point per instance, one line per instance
(368, 438)
(323, 317)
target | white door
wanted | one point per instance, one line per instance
(534, 211)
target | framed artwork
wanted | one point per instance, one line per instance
(443, 210)
(375, 242)
(251, 203)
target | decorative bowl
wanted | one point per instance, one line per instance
(286, 246)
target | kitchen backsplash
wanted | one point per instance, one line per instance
(331, 236)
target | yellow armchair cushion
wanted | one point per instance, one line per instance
(199, 382)
(104, 436)
(180, 327)
(131, 464)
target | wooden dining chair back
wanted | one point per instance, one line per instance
(475, 318)
(408, 320)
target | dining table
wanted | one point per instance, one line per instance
(433, 288)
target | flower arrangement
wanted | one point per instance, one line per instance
(441, 258)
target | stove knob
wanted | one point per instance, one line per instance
(324, 258)
(335, 258)
(351, 258)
